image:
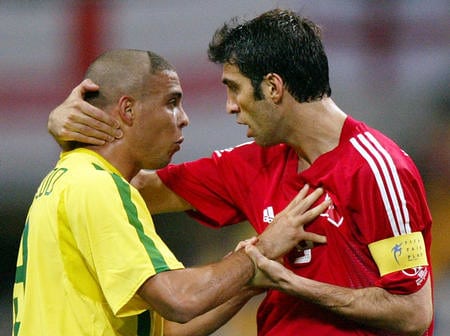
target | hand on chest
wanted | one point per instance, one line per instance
(327, 223)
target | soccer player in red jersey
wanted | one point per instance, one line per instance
(373, 276)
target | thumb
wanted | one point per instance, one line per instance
(246, 242)
(253, 252)
(86, 85)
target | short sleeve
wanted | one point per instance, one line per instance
(394, 211)
(205, 186)
(115, 234)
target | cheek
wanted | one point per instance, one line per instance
(162, 132)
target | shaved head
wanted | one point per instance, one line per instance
(122, 72)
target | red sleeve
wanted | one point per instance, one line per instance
(202, 183)
(395, 205)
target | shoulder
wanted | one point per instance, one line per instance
(375, 157)
(252, 153)
(87, 177)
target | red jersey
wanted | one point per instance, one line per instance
(377, 193)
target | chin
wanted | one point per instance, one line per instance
(263, 142)
(164, 163)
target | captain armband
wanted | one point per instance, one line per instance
(399, 253)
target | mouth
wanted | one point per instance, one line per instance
(177, 146)
(179, 141)
(249, 132)
(249, 129)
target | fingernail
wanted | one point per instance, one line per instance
(118, 134)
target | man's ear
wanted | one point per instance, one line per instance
(126, 112)
(274, 87)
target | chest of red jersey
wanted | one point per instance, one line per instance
(344, 252)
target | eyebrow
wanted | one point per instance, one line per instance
(225, 80)
(228, 82)
(176, 94)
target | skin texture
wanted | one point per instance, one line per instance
(93, 126)
(152, 126)
(261, 117)
(156, 122)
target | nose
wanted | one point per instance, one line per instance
(232, 106)
(182, 118)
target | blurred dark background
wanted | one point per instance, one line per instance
(389, 66)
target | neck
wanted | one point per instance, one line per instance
(320, 129)
(113, 154)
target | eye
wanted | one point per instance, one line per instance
(173, 102)
(233, 88)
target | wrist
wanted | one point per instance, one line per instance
(263, 247)
(251, 263)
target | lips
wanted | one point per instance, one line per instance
(177, 146)
(249, 133)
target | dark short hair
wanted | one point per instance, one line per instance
(278, 41)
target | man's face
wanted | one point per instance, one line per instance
(261, 116)
(158, 134)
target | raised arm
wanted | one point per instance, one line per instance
(374, 307)
(77, 120)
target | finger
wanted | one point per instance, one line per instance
(316, 238)
(253, 252)
(261, 262)
(111, 125)
(317, 210)
(309, 200)
(93, 122)
(250, 241)
(227, 255)
(298, 198)
(92, 127)
(253, 240)
(303, 192)
(86, 85)
(103, 120)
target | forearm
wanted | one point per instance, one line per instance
(181, 295)
(158, 197)
(209, 322)
(374, 307)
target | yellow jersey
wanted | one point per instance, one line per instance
(88, 244)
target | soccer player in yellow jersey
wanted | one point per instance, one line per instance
(90, 261)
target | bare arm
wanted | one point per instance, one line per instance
(181, 295)
(77, 120)
(157, 196)
(209, 322)
(375, 307)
